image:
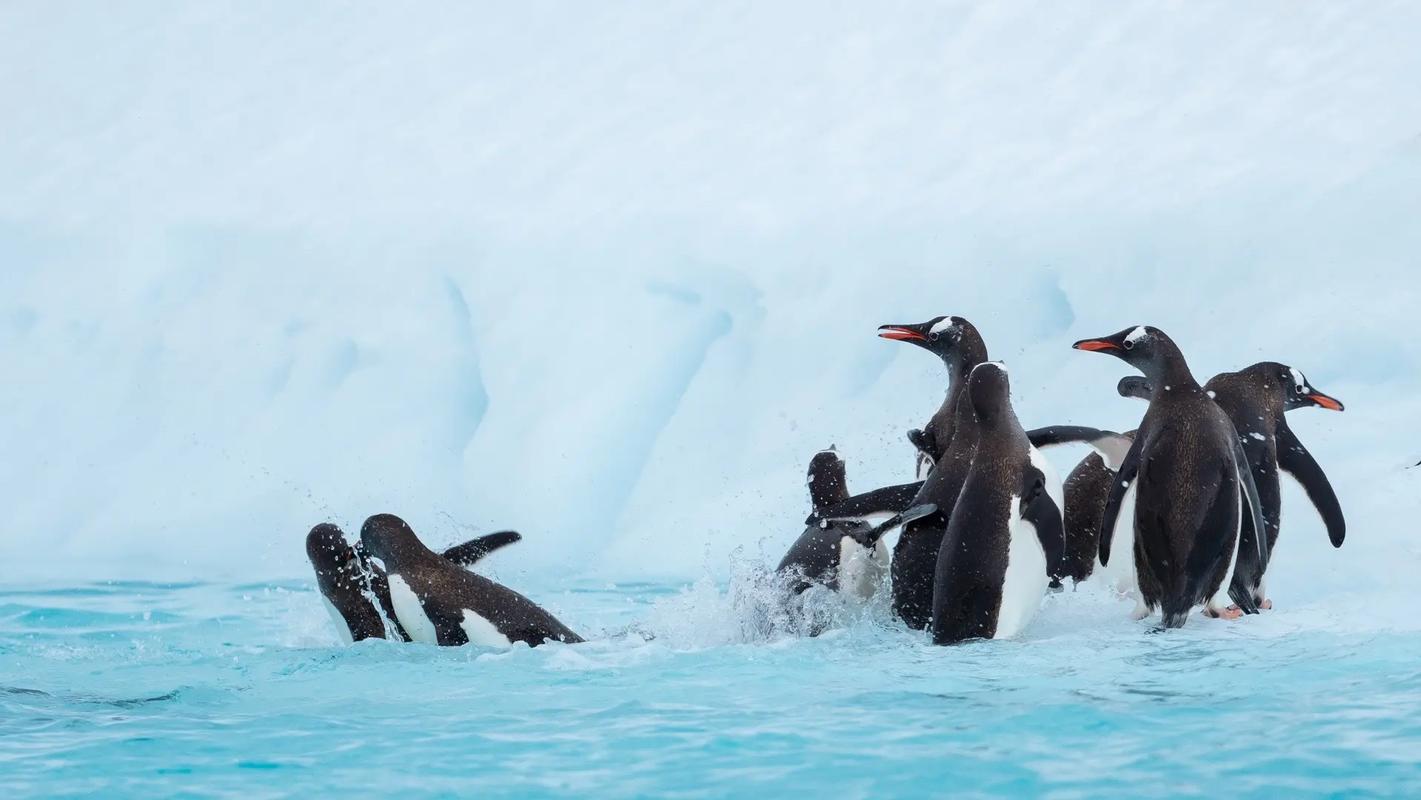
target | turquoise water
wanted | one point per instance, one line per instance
(138, 689)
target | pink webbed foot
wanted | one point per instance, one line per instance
(1232, 612)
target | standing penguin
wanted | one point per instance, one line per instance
(348, 581)
(959, 345)
(826, 553)
(945, 447)
(1087, 489)
(1256, 399)
(1190, 476)
(1004, 541)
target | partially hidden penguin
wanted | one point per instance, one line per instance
(945, 448)
(1191, 484)
(1256, 399)
(1004, 542)
(438, 602)
(826, 554)
(351, 585)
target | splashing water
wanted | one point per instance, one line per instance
(703, 690)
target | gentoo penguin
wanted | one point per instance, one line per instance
(1004, 541)
(825, 553)
(437, 602)
(1087, 489)
(1190, 476)
(348, 581)
(959, 345)
(1256, 399)
(945, 449)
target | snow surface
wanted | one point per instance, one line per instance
(611, 274)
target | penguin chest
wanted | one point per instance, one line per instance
(1119, 575)
(481, 631)
(861, 569)
(410, 612)
(1025, 580)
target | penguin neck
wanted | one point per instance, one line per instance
(1169, 373)
(968, 353)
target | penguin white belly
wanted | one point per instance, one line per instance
(342, 627)
(1220, 598)
(1119, 575)
(1025, 581)
(861, 571)
(482, 632)
(410, 612)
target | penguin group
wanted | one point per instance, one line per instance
(1181, 512)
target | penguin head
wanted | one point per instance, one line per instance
(990, 391)
(827, 480)
(390, 539)
(328, 550)
(947, 337)
(1293, 384)
(1143, 347)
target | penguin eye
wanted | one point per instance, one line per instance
(1129, 345)
(934, 336)
(1299, 389)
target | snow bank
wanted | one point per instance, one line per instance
(611, 274)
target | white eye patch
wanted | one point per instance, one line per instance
(1298, 379)
(1137, 334)
(945, 324)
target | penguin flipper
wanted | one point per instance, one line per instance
(1112, 446)
(1298, 462)
(469, 553)
(1136, 386)
(868, 535)
(1040, 510)
(1129, 468)
(889, 499)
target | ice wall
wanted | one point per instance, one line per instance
(610, 274)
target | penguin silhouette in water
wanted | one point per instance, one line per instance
(349, 581)
(1191, 481)
(1256, 399)
(1004, 542)
(827, 553)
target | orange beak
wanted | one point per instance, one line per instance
(900, 334)
(1329, 403)
(1095, 345)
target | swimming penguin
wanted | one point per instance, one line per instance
(1256, 399)
(945, 447)
(825, 553)
(348, 581)
(438, 602)
(1004, 541)
(959, 345)
(1190, 477)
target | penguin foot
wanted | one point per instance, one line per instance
(1232, 612)
(1266, 604)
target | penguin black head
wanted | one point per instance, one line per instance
(1297, 391)
(950, 338)
(390, 539)
(1144, 347)
(990, 392)
(328, 550)
(827, 480)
